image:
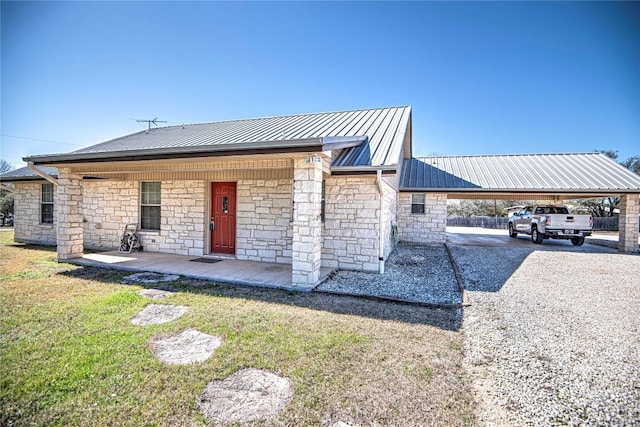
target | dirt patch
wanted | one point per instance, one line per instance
(246, 395)
(158, 292)
(155, 314)
(146, 278)
(183, 348)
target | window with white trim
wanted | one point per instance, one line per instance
(150, 205)
(417, 203)
(46, 204)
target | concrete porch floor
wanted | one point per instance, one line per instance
(227, 270)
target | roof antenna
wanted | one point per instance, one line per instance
(150, 122)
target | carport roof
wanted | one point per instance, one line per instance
(584, 173)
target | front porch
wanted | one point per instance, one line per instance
(222, 270)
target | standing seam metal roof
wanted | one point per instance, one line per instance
(384, 127)
(539, 172)
(25, 174)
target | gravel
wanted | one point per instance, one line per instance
(420, 273)
(553, 338)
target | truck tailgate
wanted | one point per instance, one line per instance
(573, 222)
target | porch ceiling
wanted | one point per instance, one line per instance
(200, 164)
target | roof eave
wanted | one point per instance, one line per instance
(22, 178)
(278, 146)
(516, 190)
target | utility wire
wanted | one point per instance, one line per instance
(41, 140)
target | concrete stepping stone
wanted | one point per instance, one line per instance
(246, 395)
(158, 292)
(155, 314)
(183, 348)
(146, 278)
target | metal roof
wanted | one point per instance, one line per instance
(24, 174)
(372, 137)
(570, 173)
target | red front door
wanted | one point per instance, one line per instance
(223, 217)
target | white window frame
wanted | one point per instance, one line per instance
(417, 204)
(47, 202)
(153, 205)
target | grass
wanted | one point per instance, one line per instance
(70, 356)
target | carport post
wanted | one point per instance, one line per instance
(628, 223)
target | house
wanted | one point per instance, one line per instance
(332, 190)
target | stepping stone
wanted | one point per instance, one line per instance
(146, 278)
(158, 292)
(188, 346)
(155, 314)
(246, 395)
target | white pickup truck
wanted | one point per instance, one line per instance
(550, 222)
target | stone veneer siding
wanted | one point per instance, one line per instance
(27, 227)
(182, 219)
(628, 224)
(264, 227)
(429, 227)
(69, 215)
(108, 207)
(352, 211)
(306, 246)
(390, 218)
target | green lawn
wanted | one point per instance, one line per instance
(70, 356)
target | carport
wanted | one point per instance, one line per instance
(556, 177)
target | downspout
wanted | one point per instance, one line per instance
(7, 188)
(41, 174)
(381, 223)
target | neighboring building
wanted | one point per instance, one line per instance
(312, 190)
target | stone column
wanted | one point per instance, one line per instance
(69, 215)
(307, 227)
(628, 224)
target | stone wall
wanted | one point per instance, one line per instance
(182, 220)
(108, 207)
(306, 246)
(352, 210)
(264, 227)
(390, 218)
(69, 215)
(111, 205)
(628, 223)
(429, 227)
(27, 227)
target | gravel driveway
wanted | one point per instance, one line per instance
(553, 338)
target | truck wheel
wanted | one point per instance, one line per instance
(577, 241)
(535, 236)
(511, 232)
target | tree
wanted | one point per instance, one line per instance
(5, 166)
(6, 197)
(632, 163)
(605, 206)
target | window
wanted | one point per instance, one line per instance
(46, 204)
(322, 202)
(417, 203)
(150, 205)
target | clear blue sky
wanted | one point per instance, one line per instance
(482, 78)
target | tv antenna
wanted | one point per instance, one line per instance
(150, 122)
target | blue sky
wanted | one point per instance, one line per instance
(482, 78)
